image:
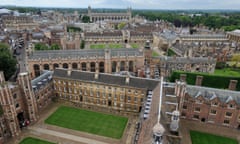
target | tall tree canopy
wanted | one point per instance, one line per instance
(7, 62)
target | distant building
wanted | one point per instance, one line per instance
(94, 17)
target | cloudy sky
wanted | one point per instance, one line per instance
(135, 4)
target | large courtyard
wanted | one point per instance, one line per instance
(206, 138)
(87, 121)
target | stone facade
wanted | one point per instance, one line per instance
(108, 61)
(22, 101)
(94, 17)
(110, 92)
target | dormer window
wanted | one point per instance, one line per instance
(231, 106)
(214, 103)
(199, 101)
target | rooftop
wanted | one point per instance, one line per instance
(104, 78)
(75, 54)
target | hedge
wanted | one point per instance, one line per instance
(209, 80)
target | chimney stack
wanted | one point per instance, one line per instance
(96, 75)
(199, 80)
(127, 79)
(69, 72)
(183, 77)
(232, 85)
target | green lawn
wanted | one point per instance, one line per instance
(97, 46)
(205, 138)
(133, 45)
(30, 140)
(88, 121)
(227, 72)
(155, 54)
(102, 46)
(115, 46)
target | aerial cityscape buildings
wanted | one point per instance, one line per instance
(119, 63)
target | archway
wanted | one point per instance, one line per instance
(65, 65)
(126, 41)
(114, 66)
(36, 69)
(74, 66)
(101, 67)
(84, 66)
(21, 121)
(122, 66)
(130, 66)
(92, 66)
(55, 66)
(46, 67)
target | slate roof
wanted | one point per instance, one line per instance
(104, 78)
(42, 80)
(210, 93)
(75, 54)
(186, 60)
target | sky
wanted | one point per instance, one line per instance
(135, 4)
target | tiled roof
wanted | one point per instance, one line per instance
(75, 54)
(103, 78)
(210, 93)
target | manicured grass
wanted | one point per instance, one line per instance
(206, 138)
(88, 121)
(155, 54)
(133, 45)
(115, 46)
(227, 72)
(102, 46)
(30, 140)
(98, 46)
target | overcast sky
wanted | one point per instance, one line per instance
(135, 4)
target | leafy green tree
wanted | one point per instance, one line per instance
(7, 62)
(55, 47)
(82, 46)
(121, 25)
(86, 19)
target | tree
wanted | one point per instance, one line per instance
(55, 47)
(82, 44)
(7, 62)
(85, 19)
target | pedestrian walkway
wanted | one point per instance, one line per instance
(64, 135)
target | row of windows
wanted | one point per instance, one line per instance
(90, 85)
(226, 121)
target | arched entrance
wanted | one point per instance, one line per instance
(114, 66)
(92, 67)
(84, 66)
(46, 67)
(65, 65)
(122, 66)
(74, 66)
(55, 66)
(36, 69)
(130, 66)
(101, 67)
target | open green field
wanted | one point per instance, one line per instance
(30, 140)
(102, 46)
(133, 45)
(88, 121)
(227, 72)
(205, 138)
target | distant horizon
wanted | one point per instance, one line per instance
(49, 7)
(135, 4)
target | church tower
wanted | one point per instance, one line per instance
(27, 92)
(8, 106)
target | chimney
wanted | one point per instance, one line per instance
(69, 71)
(96, 75)
(127, 79)
(183, 77)
(232, 85)
(199, 80)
